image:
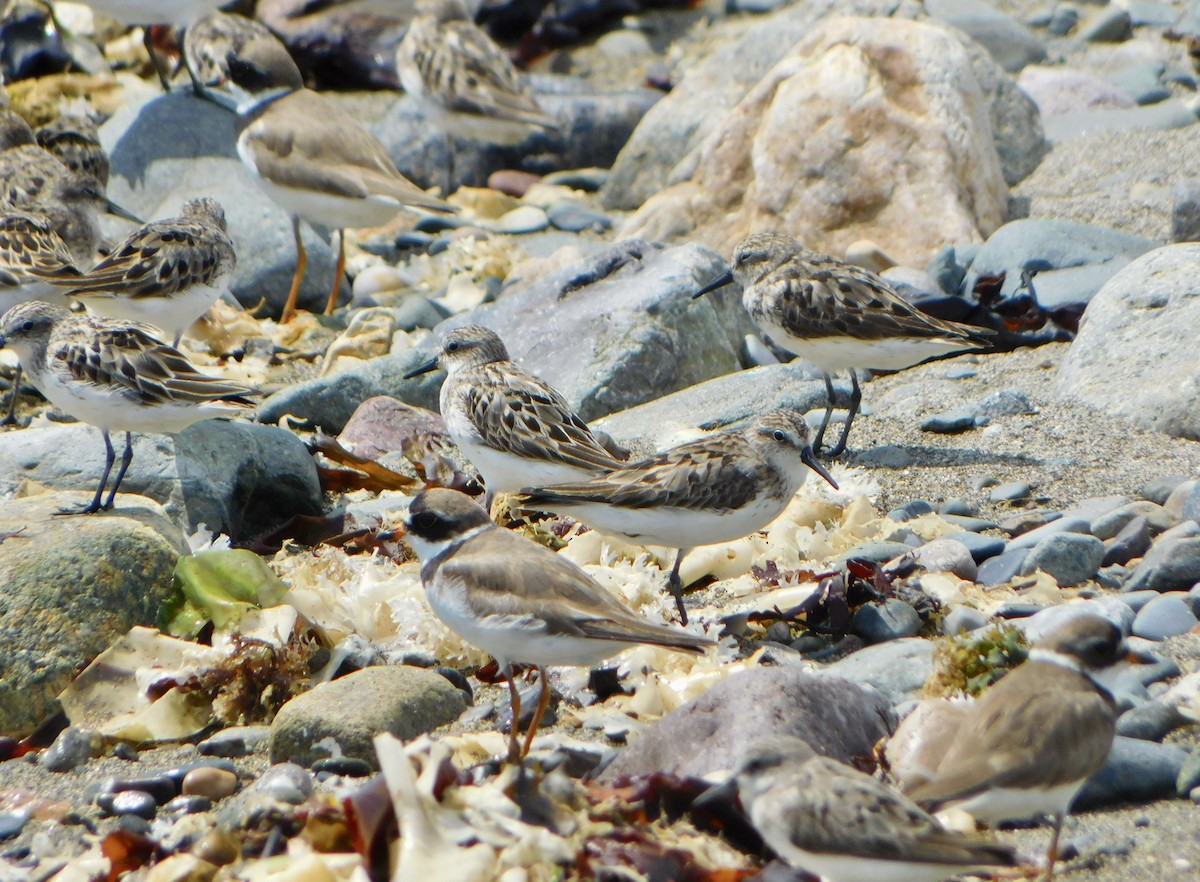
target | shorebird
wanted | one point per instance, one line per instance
(520, 601)
(837, 315)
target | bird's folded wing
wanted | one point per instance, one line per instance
(158, 261)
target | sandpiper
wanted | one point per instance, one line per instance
(837, 315)
(167, 274)
(515, 428)
(75, 142)
(116, 376)
(829, 819)
(1034, 738)
(520, 601)
(715, 489)
(312, 158)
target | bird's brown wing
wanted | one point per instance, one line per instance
(159, 260)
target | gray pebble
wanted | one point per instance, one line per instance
(1070, 558)
(888, 456)
(590, 180)
(345, 766)
(1058, 525)
(235, 741)
(1165, 616)
(1135, 600)
(960, 372)
(573, 218)
(779, 632)
(877, 550)
(1006, 402)
(983, 481)
(523, 219)
(11, 823)
(962, 619)
(1188, 782)
(1111, 24)
(1062, 20)
(1151, 721)
(970, 524)
(161, 787)
(128, 802)
(1026, 521)
(889, 620)
(187, 805)
(1013, 491)
(1136, 771)
(980, 545)
(72, 748)
(1172, 562)
(1131, 542)
(951, 422)
(911, 509)
(1054, 617)
(1001, 568)
(437, 223)
(947, 556)
(957, 506)
(286, 782)
(1158, 490)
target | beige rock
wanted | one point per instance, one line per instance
(868, 129)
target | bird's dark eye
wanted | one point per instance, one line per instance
(425, 520)
(453, 347)
(27, 326)
(778, 435)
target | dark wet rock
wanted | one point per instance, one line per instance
(118, 568)
(235, 741)
(1172, 562)
(236, 477)
(166, 150)
(160, 787)
(352, 710)
(1003, 567)
(837, 716)
(632, 302)
(128, 802)
(897, 668)
(72, 748)
(889, 620)
(1070, 558)
(1168, 615)
(347, 766)
(1136, 771)
(330, 401)
(1130, 543)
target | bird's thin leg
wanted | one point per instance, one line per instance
(175, 342)
(514, 731)
(164, 77)
(126, 459)
(289, 308)
(338, 272)
(449, 164)
(675, 583)
(828, 413)
(543, 703)
(10, 418)
(1052, 851)
(855, 400)
(110, 456)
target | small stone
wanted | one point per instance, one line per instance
(459, 680)
(1188, 780)
(589, 180)
(1172, 562)
(961, 620)
(128, 802)
(1006, 402)
(1157, 518)
(970, 524)
(210, 782)
(890, 620)
(1151, 721)
(437, 223)
(1184, 501)
(286, 782)
(573, 218)
(1159, 489)
(1026, 521)
(1052, 618)
(178, 773)
(1136, 600)
(346, 766)
(512, 182)
(11, 823)
(526, 219)
(161, 787)
(72, 748)
(217, 848)
(779, 632)
(1058, 525)
(981, 547)
(957, 506)
(1062, 20)
(877, 551)
(1013, 491)
(888, 456)
(1165, 616)
(1131, 542)
(984, 481)
(1002, 568)
(529, 700)
(959, 372)
(947, 556)
(951, 422)
(187, 805)
(910, 510)
(235, 741)
(1136, 771)
(897, 668)
(1111, 24)
(1070, 558)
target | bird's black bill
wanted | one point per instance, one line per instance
(423, 368)
(117, 211)
(810, 459)
(725, 279)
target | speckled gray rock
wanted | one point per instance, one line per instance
(69, 587)
(1166, 616)
(1144, 312)
(1172, 562)
(166, 150)
(839, 717)
(1070, 558)
(1136, 771)
(236, 477)
(352, 710)
(898, 668)
(632, 303)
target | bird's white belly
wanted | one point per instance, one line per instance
(848, 868)
(1009, 804)
(843, 353)
(11, 295)
(173, 314)
(676, 527)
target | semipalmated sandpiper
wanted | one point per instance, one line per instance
(829, 819)
(1033, 739)
(714, 489)
(312, 158)
(116, 376)
(520, 601)
(167, 274)
(75, 142)
(515, 428)
(837, 315)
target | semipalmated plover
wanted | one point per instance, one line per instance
(515, 428)
(116, 376)
(167, 274)
(1033, 739)
(837, 315)
(845, 826)
(715, 489)
(519, 600)
(311, 157)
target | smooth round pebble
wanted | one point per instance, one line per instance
(1011, 491)
(590, 180)
(889, 620)
(128, 802)
(210, 782)
(526, 219)
(217, 848)
(950, 422)
(914, 508)
(72, 748)
(957, 506)
(947, 556)
(161, 787)
(1070, 558)
(187, 805)
(286, 782)
(963, 619)
(511, 181)
(346, 766)
(572, 218)
(1167, 616)
(11, 823)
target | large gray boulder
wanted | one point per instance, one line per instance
(69, 587)
(1135, 355)
(235, 477)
